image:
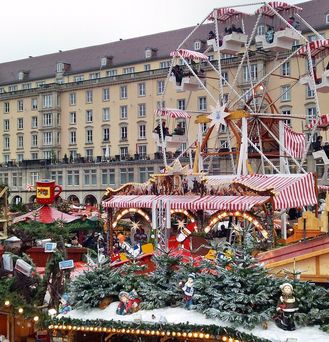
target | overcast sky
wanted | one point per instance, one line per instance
(39, 27)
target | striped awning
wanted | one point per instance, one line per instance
(323, 188)
(225, 14)
(321, 122)
(316, 47)
(187, 202)
(278, 6)
(294, 142)
(290, 190)
(172, 113)
(189, 54)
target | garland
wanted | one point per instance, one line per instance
(145, 328)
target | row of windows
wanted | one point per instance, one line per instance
(73, 177)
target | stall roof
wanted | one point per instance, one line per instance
(189, 54)
(45, 214)
(172, 113)
(317, 47)
(225, 14)
(187, 202)
(278, 6)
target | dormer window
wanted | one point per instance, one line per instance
(149, 53)
(62, 67)
(22, 75)
(197, 45)
(327, 18)
(106, 61)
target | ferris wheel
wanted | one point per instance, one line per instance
(245, 110)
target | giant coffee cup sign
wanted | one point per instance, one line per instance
(47, 191)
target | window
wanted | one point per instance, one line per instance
(47, 138)
(327, 18)
(89, 154)
(181, 104)
(47, 119)
(126, 175)
(6, 142)
(145, 173)
(34, 140)
(148, 53)
(108, 177)
(161, 104)
(20, 141)
(141, 110)
(106, 94)
(202, 103)
(73, 99)
(6, 125)
(224, 77)
(89, 136)
(123, 152)
(142, 131)
(161, 86)
(90, 177)
(17, 179)
(250, 73)
(285, 69)
(20, 106)
(34, 104)
(57, 176)
(142, 151)
(285, 93)
(124, 132)
(20, 123)
(129, 70)
(204, 128)
(94, 75)
(112, 73)
(73, 118)
(6, 107)
(197, 45)
(287, 111)
(47, 154)
(2, 90)
(106, 114)
(225, 98)
(34, 155)
(223, 144)
(73, 137)
(12, 88)
(260, 30)
(26, 86)
(79, 78)
(123, 112)
(106, 134)
(123, 92)
(89, 96)
(73, 177)
(141, 89)
(165, 64)
(34, 177)
(310, 114)
(309, 92)
(40, 84)
(89, 115)
(147, 67)
(47, 101)
(34, 122)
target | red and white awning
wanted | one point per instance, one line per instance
(290, 191)
(225, 14)
(172, 113)
(316, 47)
(278, 6)
(321, 122)
(193, 202)
(323, 188)
(189, 54)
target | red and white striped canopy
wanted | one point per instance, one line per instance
(279, 6)
(317, 47)
(172, 113)
(293, 190)
(323, 188)
(294, 142)
(322, 122)
(193, 202)
(225, 14)
(189, 54)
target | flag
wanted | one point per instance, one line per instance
(294, 142)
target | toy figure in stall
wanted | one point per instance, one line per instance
(64, 306)
(129, 303)
(286, 307)
(184, 234)
(188, 290)
(126, 247)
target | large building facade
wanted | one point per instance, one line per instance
(85, 117)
